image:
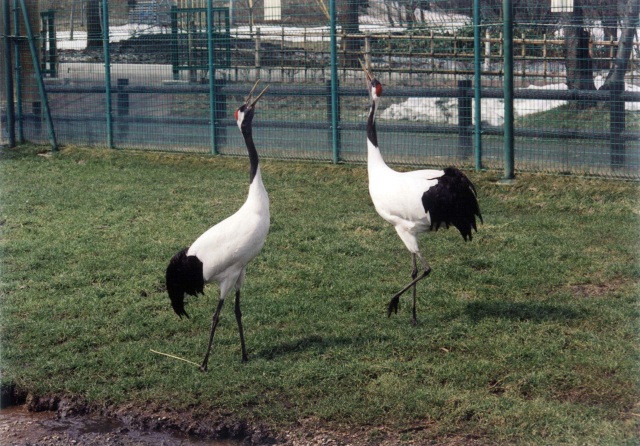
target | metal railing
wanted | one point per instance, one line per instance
(168, 94)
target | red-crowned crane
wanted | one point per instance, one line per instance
(222, 253)
(417, 201)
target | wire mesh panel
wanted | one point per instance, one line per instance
(177, 69)
(573, 64)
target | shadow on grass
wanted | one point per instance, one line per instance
(315, 342)
(521, 311)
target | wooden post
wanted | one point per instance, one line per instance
(389, 54)
(410, 55)
(487, 50)
(432, 54)
(455, 56)
(257, 53)
(343, 42)
(544, 57)
(617, 125)
(367, 51)
(465, 140)
(122, 108)
(523, 54)
(282, 64)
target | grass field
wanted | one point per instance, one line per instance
(526, 335)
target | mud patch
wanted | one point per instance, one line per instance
(26, 419)
(66, 420)
(21, 427)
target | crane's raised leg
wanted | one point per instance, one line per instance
(214, 324)
(393, 303)
(239, 320)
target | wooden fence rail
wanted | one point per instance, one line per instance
(430, 53)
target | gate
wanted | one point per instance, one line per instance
(189, 42)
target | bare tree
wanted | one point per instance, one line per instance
(94, 24)
(578, 60)
(620, 66)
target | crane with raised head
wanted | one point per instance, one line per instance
(416, 201)
(221, 254)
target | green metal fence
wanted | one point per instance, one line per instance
(501, 84)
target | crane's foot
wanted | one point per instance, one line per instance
(393, 305)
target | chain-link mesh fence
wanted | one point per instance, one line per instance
(179, 68)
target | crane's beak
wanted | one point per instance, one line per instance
(249, 102)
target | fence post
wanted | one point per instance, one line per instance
(212, 78)
(333, 118)
(257, 53)
(18, 71)
(465, 142)
(38, 74)
(50, 36)
(507, 13)
(107, 71)
(221, 111)
(175, 60)
(8, 69)
(477, 83)
(616, 125)
(122, 104)
(334, 85)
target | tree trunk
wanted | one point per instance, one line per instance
(578, 60)
(351, 26)
(625, 45)
(94, 25)
(30, 93)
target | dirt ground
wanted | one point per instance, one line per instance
(55, 421)
(20, 427)
(26, 420)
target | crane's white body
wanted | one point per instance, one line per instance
(226, 249)
(221, 254)
(397, 196)
(417, 201)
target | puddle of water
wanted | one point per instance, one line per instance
(18, 426)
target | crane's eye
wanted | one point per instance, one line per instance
(236, 113)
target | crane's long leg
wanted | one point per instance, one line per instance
(393, 303)
(414, 274)
(239, 320)
(214, 324)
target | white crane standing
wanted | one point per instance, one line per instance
(222, 253)
(417, 201)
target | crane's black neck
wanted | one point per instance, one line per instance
(253, 153)
(371, 125)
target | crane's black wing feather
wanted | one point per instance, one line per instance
(453, 201)
(184, 275)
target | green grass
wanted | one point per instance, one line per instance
(526, 335)
(565, 117)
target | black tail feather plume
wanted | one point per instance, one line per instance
(453, 201)
(184, 276)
